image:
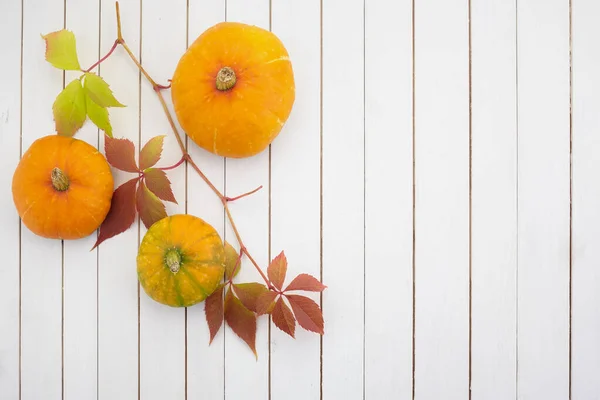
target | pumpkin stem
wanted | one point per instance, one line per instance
(173, 260)
(60, 181)
(225, 79)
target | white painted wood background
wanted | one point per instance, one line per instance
(440, 172)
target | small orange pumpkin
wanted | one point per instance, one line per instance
(233, 89)
(62, 188)
(180, 261)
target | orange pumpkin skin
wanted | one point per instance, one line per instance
(180, 261)
(72, 213)
(243, 120)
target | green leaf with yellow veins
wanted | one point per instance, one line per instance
(61, 50)
(99, 91)
(69, 109)
(99, 116)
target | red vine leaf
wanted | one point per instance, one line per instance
(121, 214)
(150, 208)
(283, 317)
(265, 303)
(248, 293)
(151, 152)
(159, 184)
(306, 282)
(231, 261)
(241, 320)
(120, 153)
(213, 310)
(307, 313)
(277, 270)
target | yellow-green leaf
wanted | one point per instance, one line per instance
(231, 261)
(61, 50)
(99, 91)
(69, 109)
(99, 116)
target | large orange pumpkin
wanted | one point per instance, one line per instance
(234, 89)
(62, 188)
(180, 261)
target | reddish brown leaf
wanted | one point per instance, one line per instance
(241, 320)
(307, 313)
(248, 293)
(121, 214)
(232, 266)
(283, 317)
(277, 270)
(306, 282)
(213, 310)
(150, 208)
(265, 303)
(120, 153)
(159, 184)
(151, 152)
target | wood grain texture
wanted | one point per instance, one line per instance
(162, 328)
(295, 177)
(442, 200)
(205, 364)
(543, 255)
(243, 373)
(343, 199)
(388, 202)
(81, 264)
(10, 141)
(117, 278)
(494, 199)
(41, 259)
(585, 328)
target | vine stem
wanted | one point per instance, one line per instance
(186, 157)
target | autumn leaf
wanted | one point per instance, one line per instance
(231, 260)
(277, 270)
(149, 207)
(159, 184)
(120, 153)
(121, 214)
(69, 109)
(151, 152)
(283, 318)
(213, 310)
(98, 115)
(241, 320)
(307, 313)
(265, 303)
(61, 50)
(306, 282)
(99, 91)
(248, 293)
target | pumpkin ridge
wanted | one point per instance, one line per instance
(178, 290)
(195, 282)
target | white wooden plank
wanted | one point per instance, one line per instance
(117, 278)
(543, 208)
(585, 330)
(10, 141)
(243, 373)
(442, 199)
(81, 264)
(295, 179)
(41, 259)
(162, 328)
(205, 364)
(388, 141)
(343, 199)
(494, 199)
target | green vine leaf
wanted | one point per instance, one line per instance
(61, 50)
(99, 116)
(151, 152)
(69, 109)
(231, 261)
(99, 91)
